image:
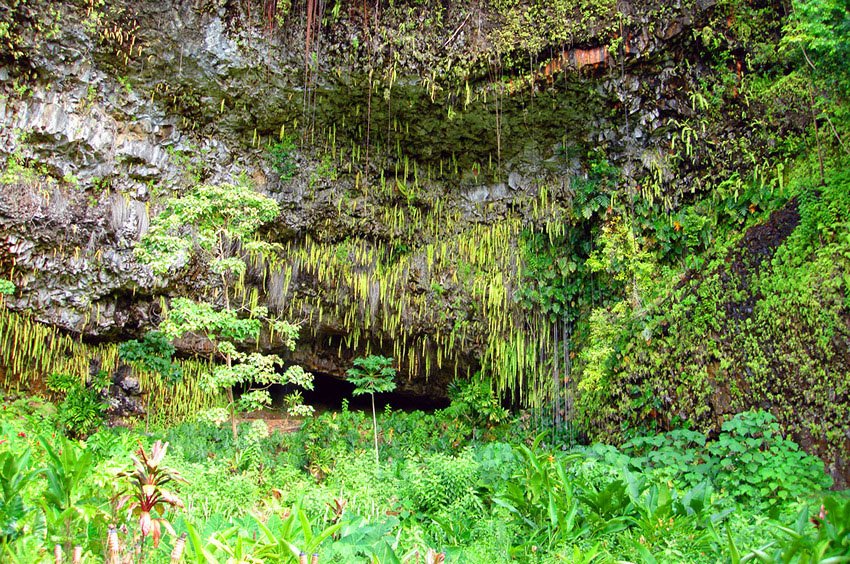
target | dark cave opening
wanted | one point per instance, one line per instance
(329, 392)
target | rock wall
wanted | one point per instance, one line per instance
(423, 145)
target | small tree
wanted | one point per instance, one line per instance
(372, 375)
(208, 223)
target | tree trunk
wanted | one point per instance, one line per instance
(375, 431)
(232, 413)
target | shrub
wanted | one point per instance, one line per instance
(280, 158)
(438, 482)
(750, 460)
(83, 409)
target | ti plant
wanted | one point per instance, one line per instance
(148, 500)
(372, 375)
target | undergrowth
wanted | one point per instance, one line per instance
(504, 496)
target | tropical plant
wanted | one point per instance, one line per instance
(83, 408)
(372, 375)
(541, 499)
(15, 476)
(68, 505)
(295, 406)
(153, 353)
(221, 217)
(475, 401)
(148, 500)
(823, 538)
(285, 540)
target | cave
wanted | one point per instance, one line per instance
(328, 393)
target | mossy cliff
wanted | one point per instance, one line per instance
(449, 176)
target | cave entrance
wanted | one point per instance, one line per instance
(329, 392)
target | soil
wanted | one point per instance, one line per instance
(275, 420)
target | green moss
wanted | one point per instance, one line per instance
(767, 325)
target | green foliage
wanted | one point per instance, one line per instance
(69, 502)
(220, 216)
(7, 287)
(280, 156)
(760, 466)
(203, 221)
(82, 411)
(541, 499)
(188, 316)
(773, 306)
(372, 375)
(25, 27)
(475, 402)
(253, 498)
(594, 191)
(554, 273)
(496, 464)
(295, 406)
(823, 537)
(622, 256)
(438, 483)
(821, 31)
(83, 408)
(15, 476)
(749, 460)
(153, 353)
(528, 27)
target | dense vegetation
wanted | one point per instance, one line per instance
(659, 334)
(500, 496)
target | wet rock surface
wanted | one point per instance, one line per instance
(105, 125)
(124, 397)
(108, 134)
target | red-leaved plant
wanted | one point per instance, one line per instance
(147, 500)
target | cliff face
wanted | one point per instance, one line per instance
(417, 145)
(445, 173)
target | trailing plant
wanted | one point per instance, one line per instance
(32, 350)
